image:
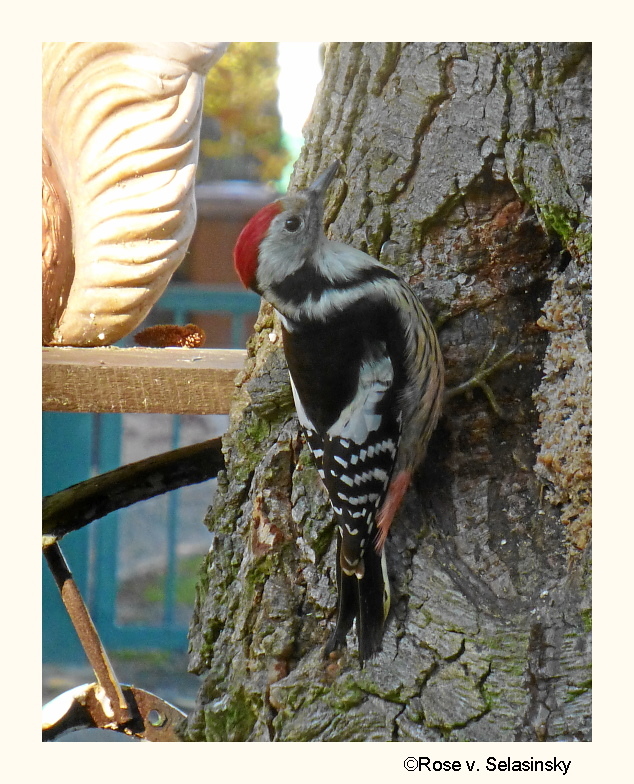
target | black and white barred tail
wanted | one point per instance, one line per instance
(365, 598)
(357, 477)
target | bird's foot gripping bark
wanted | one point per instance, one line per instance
(479, 379)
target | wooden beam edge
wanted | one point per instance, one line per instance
(139, 380)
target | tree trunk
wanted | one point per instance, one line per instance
(467, 168)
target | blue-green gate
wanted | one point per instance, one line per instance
(77, 446)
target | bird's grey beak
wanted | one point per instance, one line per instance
(320, 186)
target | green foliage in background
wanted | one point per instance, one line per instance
(241, 136)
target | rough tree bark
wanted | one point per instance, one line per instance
(467, 167)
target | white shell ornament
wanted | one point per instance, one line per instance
(121, 124)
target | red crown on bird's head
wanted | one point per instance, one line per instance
(247, 247)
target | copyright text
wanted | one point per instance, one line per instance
(492, 764)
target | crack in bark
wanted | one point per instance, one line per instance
(446, 731)
(356, 80)
(448, 89)
(391, 57)
(537, 712)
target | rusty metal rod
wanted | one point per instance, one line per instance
(115, 703)
(71, 509)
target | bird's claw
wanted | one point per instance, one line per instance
(479, 379)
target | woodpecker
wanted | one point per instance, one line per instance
(367, 378)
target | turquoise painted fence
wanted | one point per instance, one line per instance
(77, 446)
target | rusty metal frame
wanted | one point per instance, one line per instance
(106, 704)
(152, 718)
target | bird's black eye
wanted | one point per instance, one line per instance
(293, 223)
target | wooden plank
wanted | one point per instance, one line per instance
(139, 380)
